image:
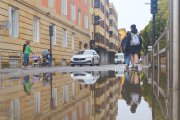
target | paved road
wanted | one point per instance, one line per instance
(20, 71)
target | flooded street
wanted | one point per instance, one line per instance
(94, 95)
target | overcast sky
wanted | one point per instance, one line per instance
(132, 12)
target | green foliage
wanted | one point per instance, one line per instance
(160, 25)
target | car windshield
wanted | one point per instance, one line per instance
(80, 52)
(86, 52)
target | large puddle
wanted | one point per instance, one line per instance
(112, 95)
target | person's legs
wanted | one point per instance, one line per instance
(28, 61)
(132, 59)
(125, 57)
(25, 59)
(136, 58)
(128, 57)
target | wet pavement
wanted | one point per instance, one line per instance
(82, 95)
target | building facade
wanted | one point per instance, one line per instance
(113, 33)
(30, 20)
(104, 35)
(100, 28)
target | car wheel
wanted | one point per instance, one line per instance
(72, 65)
(81, 65)
(92, 62)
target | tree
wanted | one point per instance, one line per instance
(160, 25)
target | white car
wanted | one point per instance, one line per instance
(85, 57)
(119, 58)
(87, 78)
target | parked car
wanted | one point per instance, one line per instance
(87, 78)
(119, 58)
(85, 57)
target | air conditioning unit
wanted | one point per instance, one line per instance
(5, 25)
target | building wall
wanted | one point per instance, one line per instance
(27, 9)
(101, 28)
(113, 33)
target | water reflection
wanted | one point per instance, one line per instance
(100, 95)
(86, 77)
(131, 90)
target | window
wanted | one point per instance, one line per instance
(65, 93)
(73, 41)
(14, 21)
(74, 115)
(73, 12)
(79, 17)
(80, 112)
(37, 102)
(15, 109)
(110, 11)
(36, 30)
(64, 7)
(86, 22)
(85, 2)
(66, 118)
(80, 45)
(97, 4)
(64, 38)
(73, 89)
(54, 35)
(111, 22)
(54, 96)
(87, 107)
(50, 3)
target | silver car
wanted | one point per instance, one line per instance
(85, 57)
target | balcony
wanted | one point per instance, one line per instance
(101, 41)
(111, 47)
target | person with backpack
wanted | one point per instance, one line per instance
(135, 45)
(126, 50)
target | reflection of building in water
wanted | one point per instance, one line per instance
(6, 81)
(106, 97)
(69, 100)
